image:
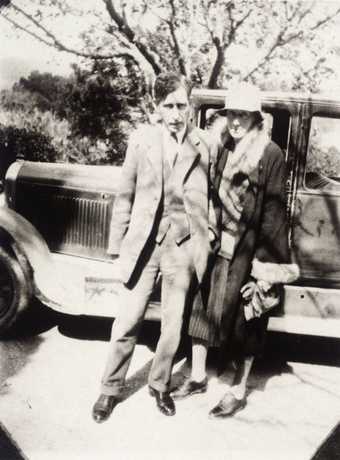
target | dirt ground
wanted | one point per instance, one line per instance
(49, 380)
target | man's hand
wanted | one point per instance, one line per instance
(113, 256)
(212, 236)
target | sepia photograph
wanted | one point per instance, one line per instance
(170, 229)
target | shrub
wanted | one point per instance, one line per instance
(26, 144)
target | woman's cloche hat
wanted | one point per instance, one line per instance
(242, 96)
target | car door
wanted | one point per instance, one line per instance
(316, 221)
(314, 301)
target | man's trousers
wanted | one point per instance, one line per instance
(177, 268)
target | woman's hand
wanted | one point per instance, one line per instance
(248, 290)
(259, 296)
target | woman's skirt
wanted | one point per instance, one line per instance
(221, 324)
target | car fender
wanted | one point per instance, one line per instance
(49, 285)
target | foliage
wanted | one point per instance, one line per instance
(48, 90)
(22, 143)
(123, 45)
(51, 133)
(324, 161)
(34, 121)
(210, 41)
(323, 151)
(88, 117)
(98, 107)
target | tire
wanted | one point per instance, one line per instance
(15, 290)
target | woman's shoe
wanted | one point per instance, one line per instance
(190, 387)
(228, 406)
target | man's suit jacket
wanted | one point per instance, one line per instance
(140, 191)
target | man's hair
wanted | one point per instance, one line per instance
(167, 83)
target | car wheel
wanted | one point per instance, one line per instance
(15, 290)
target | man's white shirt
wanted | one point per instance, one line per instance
(172, 146)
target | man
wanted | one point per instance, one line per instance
(159, 224)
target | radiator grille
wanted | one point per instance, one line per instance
(70, 224)
(89, 223)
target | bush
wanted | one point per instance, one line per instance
(44, 130)
(21, 143)
(84, 118)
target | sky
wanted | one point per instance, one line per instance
(20, 54)
(19, 64)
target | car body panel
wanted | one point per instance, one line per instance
(50, 286)
(71, 207)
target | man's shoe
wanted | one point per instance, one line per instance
(228, 406)
(103, 407)
(164, 401)
(190, 387)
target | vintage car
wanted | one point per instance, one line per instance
(54, 226)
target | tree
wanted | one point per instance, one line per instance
(98, 106)
(42, 91)
(211, 41)
(4, 3)
(86, 116)
(25, 144)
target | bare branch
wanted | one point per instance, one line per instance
(129, 34)
(173, 43)
(324, 21)
(32, 34)
(176, 47)
(267, 56)
(292, 16)
(156, 14)
(241, 21)
(222, 22)
(123, 7)
(303, 15)
(311, 73)
(123, 27)
(279, 42)
(54, 43)
(206, 20)
(316, 66)
(189, 50)
(218, 44)
(307, 11)
(285, 3)
(231, 32)
(199, 75)
(229, 35)
(219, 61)
(4, 3)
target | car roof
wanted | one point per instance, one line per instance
(216, 96)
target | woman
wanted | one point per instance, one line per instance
(253, 259)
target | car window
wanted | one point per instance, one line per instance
(277, 122)
(213, 118)
(322, 170)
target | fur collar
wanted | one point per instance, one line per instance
(274, 273)
(247, 154)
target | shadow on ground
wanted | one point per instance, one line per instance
(302, 348)
(21, 342)
(38, 319)
(330, 448)
(8, 449)
(280, 347)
